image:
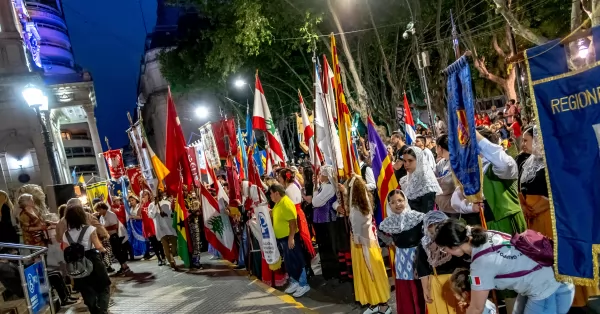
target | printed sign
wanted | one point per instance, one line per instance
(36, 285)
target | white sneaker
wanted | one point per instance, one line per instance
(301, 291)
(372, 310)
(292, 288)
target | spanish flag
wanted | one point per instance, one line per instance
(344, 121)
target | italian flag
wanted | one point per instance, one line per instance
(217, 227)
(263, 121)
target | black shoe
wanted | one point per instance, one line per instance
(110, 270)
(240, 267)
(161, 263)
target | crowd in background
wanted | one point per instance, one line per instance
(429, 237)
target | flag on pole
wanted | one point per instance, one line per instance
(180, 223)
(262, 120)
(409, 124)
(242, 156)
(82, 179)
(382, 168)
(177, 157)
(74, 175)
(315, 154)
(328, 81)
(344, 122)
(328, 140)
(160, 169)
(217, 227)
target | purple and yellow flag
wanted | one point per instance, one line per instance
(382, 167)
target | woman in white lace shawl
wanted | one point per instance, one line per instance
(420, 184)
(405, 226)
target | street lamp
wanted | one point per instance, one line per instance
(201, 112)
(36, 99)
(239, 83)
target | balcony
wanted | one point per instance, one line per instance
(77, 143)
(53, 34)
(41, 13)
(56, 52)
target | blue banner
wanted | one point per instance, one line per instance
(462, 143)
(567, 106)
(134, 226)
(37, 287)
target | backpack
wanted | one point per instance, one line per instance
(78, 266)
(532, 244)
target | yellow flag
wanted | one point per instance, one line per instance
(81, 179)
(160, 169)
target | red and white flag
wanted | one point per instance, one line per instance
(309, 137)
(328, 140)
(217, 227)
(114, 158)
(263, 121)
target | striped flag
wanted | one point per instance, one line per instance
(263, 121)
(180, 222)
(344, 122)
(315, 154)
(382, 167)
(409, 124)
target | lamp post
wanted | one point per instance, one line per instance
(36, 99)
(239, 83)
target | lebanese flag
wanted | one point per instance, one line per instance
(409, 124)
(309, 136)
(217, 228)
(263, 121)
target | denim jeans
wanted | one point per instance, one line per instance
(559, 302)
(302, 282)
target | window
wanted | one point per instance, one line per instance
(82, 136)
(75, 152)
(86, 170)
(65, 135)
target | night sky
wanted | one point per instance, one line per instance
(108, 40)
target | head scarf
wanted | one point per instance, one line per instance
(406, 220)
(327, 171)
(535, 162)
(435, 257)
(422, 180)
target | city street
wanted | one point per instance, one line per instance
(216, 289)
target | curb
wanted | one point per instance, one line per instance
(286, 298)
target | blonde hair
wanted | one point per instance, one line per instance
(360, 197)
(24, 199)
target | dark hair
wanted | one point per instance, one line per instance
(61, 210)
(488, 134)
(397, 134)
(512, 101)
(442, 141)
(517, 117)
(75, 217)
(460, 281)
(287, 174)
(451, 233)
(422, 138)
(277, 188)
(410, 151)
(395, 192)
(529, 131)
(100, 206)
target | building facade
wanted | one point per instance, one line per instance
(35, 50)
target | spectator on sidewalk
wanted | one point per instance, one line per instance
(94, 288)
(8, 230)
(285, 225)
(117, 234)
(160, 211)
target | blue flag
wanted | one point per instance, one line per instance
(249, 130)
(74, 176)
(242, 146)
(134, 226)
(462, 143)
(567, 107)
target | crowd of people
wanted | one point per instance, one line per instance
(444, 253)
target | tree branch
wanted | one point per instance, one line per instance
(519, 28)
(479, 64)
(497, 47)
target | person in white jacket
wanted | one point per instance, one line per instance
(160, 210)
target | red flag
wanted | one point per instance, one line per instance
(191, 153)
(263, 121)
(224, 133)
(309, 137)
(137, 180)
(177, 158)
(114, 158)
